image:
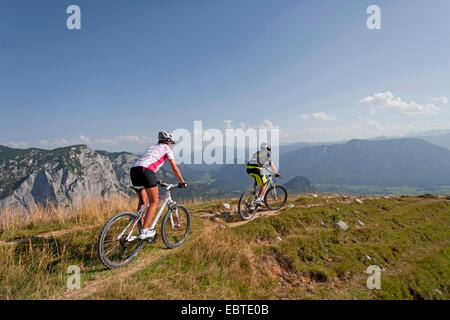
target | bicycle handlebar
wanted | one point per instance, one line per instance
(168, 186)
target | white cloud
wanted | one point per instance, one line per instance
(19, 144)
(322, 116)
(373, 124)
(443, 100)
(85, 139)
(123, 142)
(229, 124)
(266, 124)
(386, 101)
(136, 139)
(118, 142)
(53, 144)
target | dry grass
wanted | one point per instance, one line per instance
(37, 246)
(85, 211)
(409, 237)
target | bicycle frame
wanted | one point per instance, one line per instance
(269, 184)
(142, 211)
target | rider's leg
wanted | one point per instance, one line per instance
(152, 194)
(263, 189)
(144, 201)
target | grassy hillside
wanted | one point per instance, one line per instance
(407, 237)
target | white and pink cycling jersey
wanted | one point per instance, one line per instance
(155, 157)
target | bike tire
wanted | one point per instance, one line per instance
(167, 223)
(101, 241)
(243, 201)
(281, 192)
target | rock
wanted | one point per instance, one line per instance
(361, 223)
(338, 209)
(278, 238)
(323, 224)
(359, 201)
(357, 212)
(368, 258)
(290, 206)
(227, 206)
(438, 291)
(221, 226)
(314, 195)
(341, 224)
(64, 176)
(226, 215)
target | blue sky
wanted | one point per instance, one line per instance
(311, 68)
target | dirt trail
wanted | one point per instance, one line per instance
(47, 235)
(93, 286)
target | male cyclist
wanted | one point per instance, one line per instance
(255, 166)
(142, 173)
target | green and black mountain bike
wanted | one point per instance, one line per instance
(274, 197)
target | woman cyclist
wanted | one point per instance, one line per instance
(142, 173)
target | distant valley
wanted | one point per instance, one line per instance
(378, 166)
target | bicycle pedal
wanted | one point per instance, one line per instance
(151, 240)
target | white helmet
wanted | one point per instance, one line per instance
(165, 137)
(264, 146)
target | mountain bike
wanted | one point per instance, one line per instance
(274, 197)
(118, 242)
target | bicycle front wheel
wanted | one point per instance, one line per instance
(246, 207)
(275, 197)
(175, 226)
(118, 244)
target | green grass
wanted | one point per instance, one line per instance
(408, 238)
(380, 190)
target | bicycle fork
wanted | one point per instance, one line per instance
(177, 225)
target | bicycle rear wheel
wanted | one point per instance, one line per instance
(115, 249)
(275, 197)
(175, 226)
(246, 207)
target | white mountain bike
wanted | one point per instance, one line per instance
(118, 243)
(274, 197)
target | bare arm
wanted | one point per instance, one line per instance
(273, 168)
(176, 171)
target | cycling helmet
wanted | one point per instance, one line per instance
(265, 146)
(164, 136)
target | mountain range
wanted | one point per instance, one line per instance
(393, 162)
(377, 162)
(63, 175)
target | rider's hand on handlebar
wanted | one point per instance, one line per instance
(182, 185)
(278, 175)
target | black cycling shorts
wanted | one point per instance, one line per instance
(143, 177)
(256, 173)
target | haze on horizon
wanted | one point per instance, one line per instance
(313, 70)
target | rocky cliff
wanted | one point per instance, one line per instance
(62, 175)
